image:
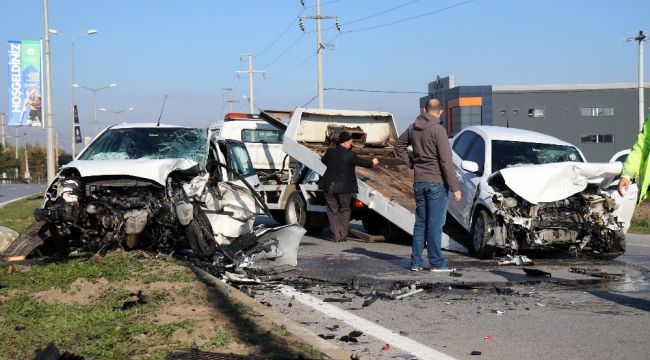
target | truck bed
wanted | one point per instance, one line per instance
(392, 178)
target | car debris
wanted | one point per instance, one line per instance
(327, 337)
(475, 352)
(371, 300)
(352, 336)
(160, 188)
(403, 292)
(338, 300)
(536, 272)
(579, 270)
(519, 260)
(504, 290)
(386, 348)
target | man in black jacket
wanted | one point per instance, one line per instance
(339, 183)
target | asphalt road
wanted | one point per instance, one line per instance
(9, 192)
(496, 310)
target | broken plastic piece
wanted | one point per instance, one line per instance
(489, 338)
(327, 337)
(385, 347)
(498, 312)
(519, 260)
(339, 300)
(475, 353)
(536, 272)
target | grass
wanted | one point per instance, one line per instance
(20, 214)
(37, 307)
(641, 219)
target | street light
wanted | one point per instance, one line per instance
(72, 38)
(95, 90)
(640, 38)
(117, 112)
(27, 174)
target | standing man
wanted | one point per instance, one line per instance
(636, 165)
(339, 183)
(434, 177)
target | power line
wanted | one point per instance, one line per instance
(378, 91)
(258, 54)
(285, 51)
(380, 13)
(310, 101)
(412, 17)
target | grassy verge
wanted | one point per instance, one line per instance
(73, 305)
(20, 214)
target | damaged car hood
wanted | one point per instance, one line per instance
(156, 170)
(556, 181)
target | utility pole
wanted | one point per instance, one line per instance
(230, 100)
(251, 98)
(27, 174)
(319, 47)
(16, 138)
(56, 151)
(47, 108)
(641, 38)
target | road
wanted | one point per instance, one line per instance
(496, 310)
(9, 192)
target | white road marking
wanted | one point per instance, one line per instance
(368, 327)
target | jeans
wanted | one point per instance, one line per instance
(431, 211)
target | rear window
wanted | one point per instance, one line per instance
(261, 136)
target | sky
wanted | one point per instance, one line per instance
(387, 51)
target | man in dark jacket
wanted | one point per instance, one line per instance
(434, 177)
(339, 183)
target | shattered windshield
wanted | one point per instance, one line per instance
(149, 143)
(507, 154)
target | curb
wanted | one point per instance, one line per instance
(269, 317)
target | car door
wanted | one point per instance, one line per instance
(471, 147)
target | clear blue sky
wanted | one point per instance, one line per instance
(191, 49)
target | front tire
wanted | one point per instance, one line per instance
(199, 235)
(295, 212)
(481, 233)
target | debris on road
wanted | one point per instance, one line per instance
(498, 312)
(519, 260)
(338, 300)
(504, 290)
(489, 338)
(352, 336)
(334, 327)
(327, 337)
(578, 270)
(475, 353)
(386, 348)
(536, 272)
(370, 301)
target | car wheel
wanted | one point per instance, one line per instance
(481, 234)
(199, 235)
(295, 212)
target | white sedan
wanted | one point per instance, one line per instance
(526, 190)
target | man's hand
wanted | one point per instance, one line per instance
(375, 162)
(457, 195)
(623, 184)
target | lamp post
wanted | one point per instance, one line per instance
(72, 38)
(94, 91)
(116, 112)
(641, 39)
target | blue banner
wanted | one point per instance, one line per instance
(25, 83)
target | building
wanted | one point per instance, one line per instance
(600, 119)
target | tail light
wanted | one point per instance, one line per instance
(357, 204)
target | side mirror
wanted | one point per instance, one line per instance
(469, 166)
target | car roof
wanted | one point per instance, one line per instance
(514, 134)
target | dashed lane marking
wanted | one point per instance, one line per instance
(369, 328)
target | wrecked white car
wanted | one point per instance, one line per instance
(162, 188)
(526, 190)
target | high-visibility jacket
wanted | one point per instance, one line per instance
(637, 166)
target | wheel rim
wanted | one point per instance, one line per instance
(479, 230)
(293, 213)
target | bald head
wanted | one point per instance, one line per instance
(433, 107)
